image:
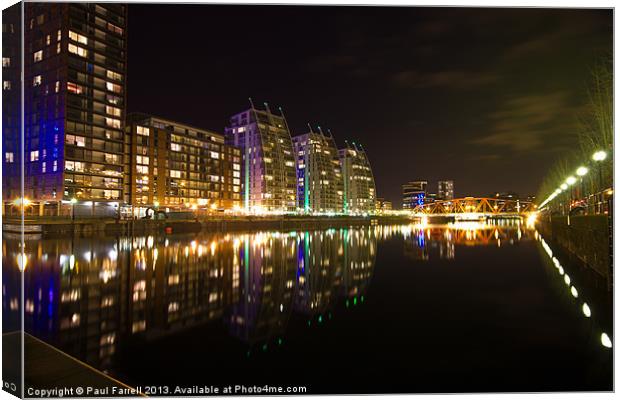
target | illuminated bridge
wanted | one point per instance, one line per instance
(475, 208)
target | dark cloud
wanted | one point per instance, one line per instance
(413, 79)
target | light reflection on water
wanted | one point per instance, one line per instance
(89, 295)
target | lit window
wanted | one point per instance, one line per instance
(142, 130)
(43, 166)
(115, 28)
(6, 85)
(113, 87)
(215, 154)
(6, 62)
(38, 56)
(142, 169)
(48, 39)
(82, 52)
(113, 99)
(175, 174)
(55, 166)
(80, 141)
(57, 87)
(114, 75)
(113, 110)
(74, 88)
(37, 80)
(8, 157)
(34, 155)
(58, 48)
(175, 147)
(113, 122)
(58, 35)
(78, 38)
(142, 160)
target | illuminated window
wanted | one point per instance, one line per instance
(142, 130)
(114, 75)
(113, 122)
(142, 160)
(6, 62)
(142, 169)
(6, 85)
(74, 88)
(175, 174)
(43, 166)
(38, 56)
(113, 99)
(78, 38)
(55, 166)
(48, 39)
(82, 52)
(113, 87)
(175, 147)
(113, 110)
(37, 80)
(8, 157)
(115, 28)
(34, 155)
(58, 48)
(58, 35)
(215, 154)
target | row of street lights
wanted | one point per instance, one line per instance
(597, 157)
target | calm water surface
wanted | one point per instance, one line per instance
(359, 310)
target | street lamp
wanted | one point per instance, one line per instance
(599, 156)
(581, 171)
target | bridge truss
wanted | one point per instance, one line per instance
(475, 206)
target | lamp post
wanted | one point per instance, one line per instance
(599, 157)
(73, 202)
(581, 172)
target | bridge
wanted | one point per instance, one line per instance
(475, 207)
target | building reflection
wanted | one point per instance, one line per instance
(86, 296)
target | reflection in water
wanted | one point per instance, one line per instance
(86, 295)
(96, 298)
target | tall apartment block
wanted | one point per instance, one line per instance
(359, 183)
(268, 170)
(320, 187)
(174, 165)
(445, 190)
(74, 102)
(414, 194)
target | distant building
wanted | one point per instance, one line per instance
(383, 205)
(319, 176)
(445, 190)
(269, 176)
(414, 194)
(359, 183)
(505, 195)
(170, 164)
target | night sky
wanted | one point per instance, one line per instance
(486, 97)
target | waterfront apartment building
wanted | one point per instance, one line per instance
(381, 204)
(414, 194)
(359, 182)
(74, 97)
(319, 176)
(174, 165)
(269, 176)
(445, 190)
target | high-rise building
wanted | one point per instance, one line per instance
(319, 175)
(381, 204)
(269, 176)
(175, 165)
(445, 190)
(414, 194)
(359, 182)
(74, 97)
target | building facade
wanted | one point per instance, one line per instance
(359, 182)
(74, 102)
(269, 176)
(319, 175)
(445, 190)
(414, 194)
(173, 165)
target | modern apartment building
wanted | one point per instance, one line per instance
(268, 171)
(359, 182)
(319, 176)
(414, 194)
(174, 165)
(445, 190)
(74, 103)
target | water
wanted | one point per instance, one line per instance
(376, 309)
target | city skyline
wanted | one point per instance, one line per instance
(461, 100)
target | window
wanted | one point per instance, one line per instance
(48, 40)
(114, 75)
(43, 166)
(175, 174)
(58, 35)
(57, 87)
(78, 38)
(74, 88)
(6, 62)
(215, 155)
(175, 147)
(37, 80)
(115, 28)
(113, 122)
(34, 155)
(6, 85)
(113, 87)
(9, 157)
(142, 160)
(74, 166)
(113, 110)
(142, 169)
(38, 56)
(55, 167)
(82, 52)
(142, 130)
(113, 99)
(58, 48)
